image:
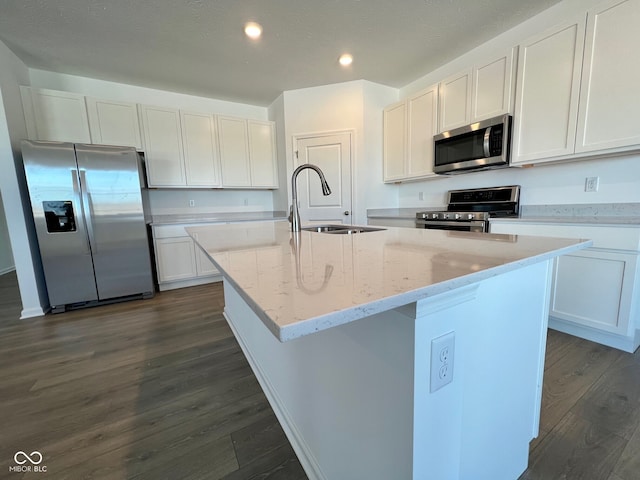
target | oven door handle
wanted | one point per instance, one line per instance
(486, 144)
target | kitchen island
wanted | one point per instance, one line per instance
(339, 328)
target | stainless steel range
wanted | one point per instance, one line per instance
(470, 210)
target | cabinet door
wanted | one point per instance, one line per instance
(163, 140)
(204, 266)
(422, 116)
(493, 88)
(234, 152)
(175, 259)
(594, 288)
(202, 166)
(395, 141)
(56, 116)
(548, 81)
(455, 101)
(609, 102)
(262, 154)
(114, 123)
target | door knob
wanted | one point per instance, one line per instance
(346, 212)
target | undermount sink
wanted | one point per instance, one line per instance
(340, 229)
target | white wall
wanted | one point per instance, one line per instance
(372, 191)
(543, 184)
(342, 107)
(167, 201)
(276, 114)
(136, 94)
(14, 73)
(6, 255)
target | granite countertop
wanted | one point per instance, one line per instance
(215, 217)
(302, 283)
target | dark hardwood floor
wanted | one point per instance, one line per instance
(159, 389)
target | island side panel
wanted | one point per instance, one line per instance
(344, 396)
(480, 425)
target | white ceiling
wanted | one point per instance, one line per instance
(198, 46)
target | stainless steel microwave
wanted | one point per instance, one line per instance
(479, 146)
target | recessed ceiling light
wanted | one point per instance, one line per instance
(252, 30)
(345, 59)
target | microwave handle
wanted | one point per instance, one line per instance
(486, 144)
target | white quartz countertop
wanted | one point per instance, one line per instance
(302, 283)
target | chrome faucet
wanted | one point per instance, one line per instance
(294, 215)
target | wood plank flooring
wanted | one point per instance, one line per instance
(159, 389)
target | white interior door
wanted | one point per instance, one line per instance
(332, 154)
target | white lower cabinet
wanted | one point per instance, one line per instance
(175, 258)
(179, 261)
(595, 292)
(594, 288)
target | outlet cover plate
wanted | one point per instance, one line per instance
(442, 356)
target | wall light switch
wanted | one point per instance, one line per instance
(192, 203)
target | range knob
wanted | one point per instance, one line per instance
(445, 216)
(457, 216)
(469, 216)
(434, 215)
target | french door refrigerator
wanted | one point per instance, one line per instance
(88, 213)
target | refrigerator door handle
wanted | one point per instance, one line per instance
(78, 201)
(88, 214)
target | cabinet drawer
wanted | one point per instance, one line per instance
(610, 237)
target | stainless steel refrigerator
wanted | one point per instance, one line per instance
(88, 212)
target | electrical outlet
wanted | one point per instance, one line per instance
(591, 184)
(420, 195)
(246, 202)
(192, 203)
(442, 353)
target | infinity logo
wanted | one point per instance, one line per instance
(31, 458)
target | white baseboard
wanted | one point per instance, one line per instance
(7, 270)
(189, 283)
(31, 312)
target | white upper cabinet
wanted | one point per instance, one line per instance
(114, 123)
(163, 140)
(455, 101)
(409, 127)
(234, 152)
(492, 87)
(55, 116)
(609, 113)
(262, 154)
(481, 92)
(578, 97)
(422, 116)
(547, 93)
(202, 165)
(395, 141)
